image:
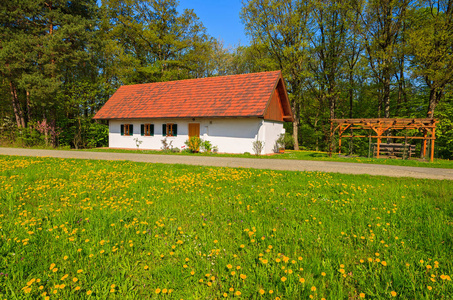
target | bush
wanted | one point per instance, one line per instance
(258, 147)
(206, 146)
(193, 143)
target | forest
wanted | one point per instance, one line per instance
(61, 60)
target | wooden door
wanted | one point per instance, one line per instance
(194, 129)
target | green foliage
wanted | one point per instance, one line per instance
(206, 146)
(194, 143)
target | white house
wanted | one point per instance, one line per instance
(230, 111)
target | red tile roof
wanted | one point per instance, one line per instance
(245, 95)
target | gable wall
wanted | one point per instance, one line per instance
(274, 111)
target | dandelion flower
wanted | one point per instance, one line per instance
(313, 288)
(302, 280)
(393, 293)
(283, 278)
(262, 291)
(89, 292)
(157, 291)
(243, 276)
(362, 295)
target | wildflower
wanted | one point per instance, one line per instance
(262, 291)
(157, 291)
(79, 271)
(362, 295)
(229, 266)
(283, 278)
(89, 292)
(145, 267)
(429, 287)
(243, 276)
(384, 263)
(323, 274)
(238, 293)
(313, 288)
(302, 280)
(393, 293)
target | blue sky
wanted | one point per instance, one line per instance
(221, 19)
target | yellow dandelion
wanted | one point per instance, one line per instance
(243, 276)
(89, 292)
(54, 270)
(429, 287)
(229, 266)
(313, 288)
(79, 271)
(283, 279)
(146, 267)
(384, 263)
(225, 295)
(393, 293)
(262, 292)
(164, 291)
(362, 295)
(157, 291)
(238, 293)
(323, 274)
(302, 280)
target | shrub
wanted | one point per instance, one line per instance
(258, 147)
(193, 143)
(206, 146)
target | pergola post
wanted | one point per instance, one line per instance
(432, 144)
(378, 146)
(424, 143)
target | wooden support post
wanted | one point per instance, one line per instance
(331, 139)
(339, 141)
(424, 143)
(369, 144)
(432, 144)
(378, 146)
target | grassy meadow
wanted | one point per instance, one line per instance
(81, 229)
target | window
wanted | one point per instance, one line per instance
(127, 129)
(169, 129)
(147, 129)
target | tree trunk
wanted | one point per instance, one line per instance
(387, 95)
(434, 98)
(18, 112)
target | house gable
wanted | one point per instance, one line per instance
(278, 108)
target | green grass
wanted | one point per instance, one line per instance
(125, 230)
(304, 155)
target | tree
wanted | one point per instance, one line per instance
(281, 28)
(431, 47)
(381, 23)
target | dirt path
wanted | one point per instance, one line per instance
(274, 164)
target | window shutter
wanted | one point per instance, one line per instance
(151, 129)
(122, 129)
(175, 129)
(142, 129)
(164, 129)
(131, 128)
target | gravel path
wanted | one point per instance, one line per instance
(274, 164)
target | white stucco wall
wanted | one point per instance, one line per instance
(229, 135)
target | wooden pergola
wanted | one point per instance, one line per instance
(381, 125)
